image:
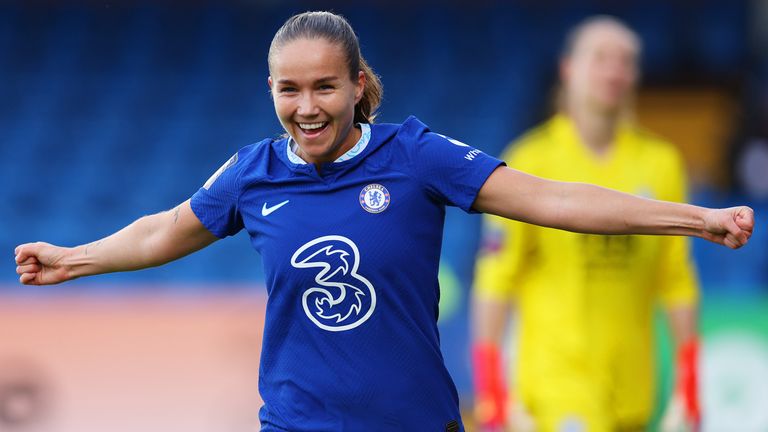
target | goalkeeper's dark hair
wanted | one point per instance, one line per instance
(335, 29)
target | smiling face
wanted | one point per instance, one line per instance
(315, 97)
(600, 73)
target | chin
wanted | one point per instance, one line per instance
(317, 151)
(609, 107)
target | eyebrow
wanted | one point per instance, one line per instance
(320, 80)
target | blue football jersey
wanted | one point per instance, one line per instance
(351, 258)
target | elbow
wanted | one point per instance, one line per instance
(153, 245)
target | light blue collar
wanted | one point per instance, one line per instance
(358, 148)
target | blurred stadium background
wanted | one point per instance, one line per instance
(110, 110)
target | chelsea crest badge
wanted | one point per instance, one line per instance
(374, 198)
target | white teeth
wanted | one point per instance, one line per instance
(311, 126)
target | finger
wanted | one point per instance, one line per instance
(745, 219)
(731, 227)
(731, 242)
(29, 268)
(742, 237)
(30, 260)
(718, 238)
(28, 278)
(23, 252)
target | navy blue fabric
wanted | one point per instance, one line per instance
(351, 339)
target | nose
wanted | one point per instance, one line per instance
(307, 105)
(619, 69)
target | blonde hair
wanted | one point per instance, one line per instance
(578, 31)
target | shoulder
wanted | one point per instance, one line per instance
(415, 144)
(385, 131)
(254, 158)
(413, 135)
(406, 141)
(657, 148)
(257, 150)
(409, 131)
(257, 156)
(251, 159)
(650, 138)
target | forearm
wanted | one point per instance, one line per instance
(137, 246)
(613, 212)
(150, 241)
(488, 320)
(683, 323)
(585, 208)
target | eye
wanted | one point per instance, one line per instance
(326, 87)
(287, 90)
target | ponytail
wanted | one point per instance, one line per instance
(365, 110)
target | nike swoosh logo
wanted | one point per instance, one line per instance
(266, 211)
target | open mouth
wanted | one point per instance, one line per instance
(311, 130)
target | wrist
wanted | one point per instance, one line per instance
(693, 221)
(486, 359)
(709, 222)
(78, 261)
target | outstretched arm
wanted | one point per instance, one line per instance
(148, 242)
(585, 208)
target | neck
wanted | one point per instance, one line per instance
(597, 130)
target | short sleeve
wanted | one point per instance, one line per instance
(216, 202)
(452, 172)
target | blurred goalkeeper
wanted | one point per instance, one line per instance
(584, 303)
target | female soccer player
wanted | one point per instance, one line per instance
(348, 218)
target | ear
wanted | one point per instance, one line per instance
(269, 84)
(360, 86)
